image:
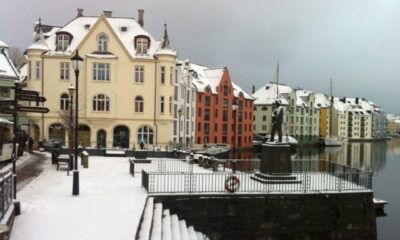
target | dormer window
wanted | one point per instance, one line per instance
(62, 42)
(141, 45)
(102, 40)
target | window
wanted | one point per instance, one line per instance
(207, 114)
(141, 45)
(162, 75)
(145, 134)
(206, 128)
(176, 93)
(62, 42)
(139, 104)
(224, 115)
(162, 101)
(101, 71)
(139, 74)
(207, 101)
(64, 102)
(170, 105)
(37, 70)
(5, 92)
(225, 103)
(199, 112)
(225, 90)
(64, 71)
(101, 103)
(188, 96)
(171, 74)
(199, 127)
(102, 41)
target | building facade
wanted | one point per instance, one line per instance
(184, 106)
(224, 112)
(126, 84)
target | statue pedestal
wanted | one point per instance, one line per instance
(275, 158)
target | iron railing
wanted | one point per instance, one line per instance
(6, 191)
(216, 182)
(160, 165)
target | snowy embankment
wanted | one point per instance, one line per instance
(109, 206)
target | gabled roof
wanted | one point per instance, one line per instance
(322, 100)
(7, 68)
(267, 94)
(203, 77)
(125, 29)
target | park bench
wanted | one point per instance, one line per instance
(63, 159)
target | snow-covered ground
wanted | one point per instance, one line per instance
(109, 206)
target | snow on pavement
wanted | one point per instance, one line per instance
(109, 206)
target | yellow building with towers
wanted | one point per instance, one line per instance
(126, 84)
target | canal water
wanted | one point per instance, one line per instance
(382, 158)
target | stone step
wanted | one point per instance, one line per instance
(157, 222)
(175, 231)
(166, 226)
(144, 233)
(184, 230)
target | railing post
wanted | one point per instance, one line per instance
(340, 182)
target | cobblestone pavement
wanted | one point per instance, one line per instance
(32, 164)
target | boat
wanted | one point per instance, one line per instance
(330, 140)
(217, 150)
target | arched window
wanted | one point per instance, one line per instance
(139, 104)
(64, 102)
(101, 103)
(145, 134)
(102, 40)
(62, 42)
(264, 108)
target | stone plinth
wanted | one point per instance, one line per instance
(275, 158)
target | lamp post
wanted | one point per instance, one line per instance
(234, 108)
(71, 91)
(77, 64)
(179, 127)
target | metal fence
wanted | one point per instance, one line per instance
(161, 165)
(6, 191)
(217, 182)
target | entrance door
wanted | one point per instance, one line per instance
(84, 135)
(101, 138)
(121, 137)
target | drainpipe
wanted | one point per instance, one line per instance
(42, 95)
(155, 101)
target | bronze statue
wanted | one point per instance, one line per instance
(277, 119)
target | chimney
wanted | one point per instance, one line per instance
(107, 13)
(80, 12)
(254, 89)
(356, 100)
(141, 21)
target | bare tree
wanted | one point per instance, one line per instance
(16, 56)
(68, 121)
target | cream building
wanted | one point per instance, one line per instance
(124, 85)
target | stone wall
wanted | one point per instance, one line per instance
(293, 216)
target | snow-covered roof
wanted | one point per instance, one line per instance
(203, 77)
(23, 72)
(322, 101)
(7, 68)
(267, 94)
(3, 45)
(126, 29)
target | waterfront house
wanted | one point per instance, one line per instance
(125, 86)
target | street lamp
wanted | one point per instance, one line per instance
(179, 127)
(234, 108)
(71, 91)
(77, 62)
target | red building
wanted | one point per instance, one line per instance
(224, 112)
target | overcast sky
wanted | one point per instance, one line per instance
(354, 42)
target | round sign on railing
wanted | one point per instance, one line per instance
(232, 184)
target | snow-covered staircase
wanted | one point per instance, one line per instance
(158, 224)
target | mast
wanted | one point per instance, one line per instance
(277, 80)
(330, 115)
